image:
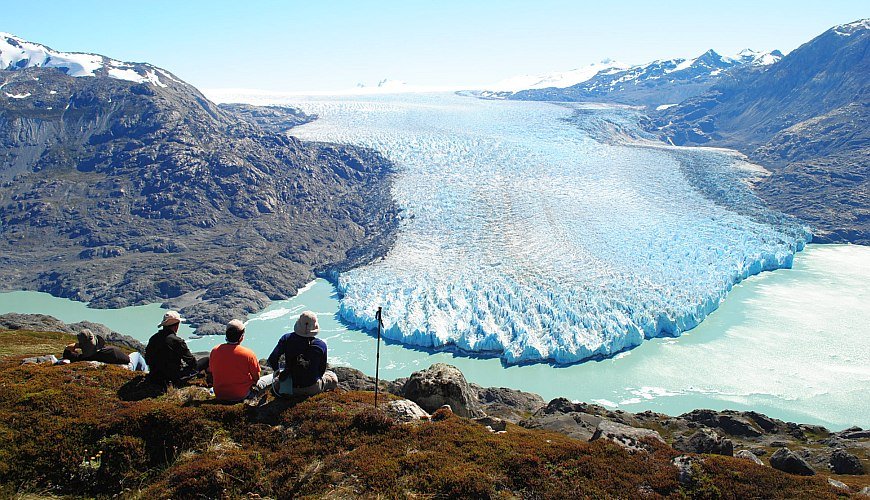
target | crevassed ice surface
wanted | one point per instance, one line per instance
(523, 236)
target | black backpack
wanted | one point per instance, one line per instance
(299, 366)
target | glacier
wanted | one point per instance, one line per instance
(540, 233)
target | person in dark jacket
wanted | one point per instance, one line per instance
(169, 360)
(304, 360)
(92, 347)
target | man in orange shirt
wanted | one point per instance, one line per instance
(235, 369)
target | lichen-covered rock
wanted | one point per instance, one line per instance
(748, 455)
(405, 411)
(705, 441)
(630, 438)
(443, 384)
(787, 461)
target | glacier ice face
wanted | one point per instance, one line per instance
(523, 237)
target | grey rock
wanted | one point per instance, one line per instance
(787, 461)
(405, 411)
(843, 462)
(574, 425)
(766, 423)
(728, 422)
(494, 424)
(838, 485)
(443, 384)
(510, 404)
(705, 441)
(684, 464)
(628, 437)
(748, 455)
(865, 491)
(857, 434)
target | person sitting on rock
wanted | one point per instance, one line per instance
(235, 369)
(92, 347)
(168, 356)
(304, 372)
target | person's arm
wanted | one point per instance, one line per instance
(254, 368)
(276, 354)
(180, 348)
(323, 362)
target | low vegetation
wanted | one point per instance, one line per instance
(79, 430)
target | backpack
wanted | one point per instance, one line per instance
(297, 367)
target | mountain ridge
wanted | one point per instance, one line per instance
(660, 82)
(118, 192)
(802, 118)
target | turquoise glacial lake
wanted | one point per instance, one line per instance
(793, 343)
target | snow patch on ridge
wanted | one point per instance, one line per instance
(17, 53)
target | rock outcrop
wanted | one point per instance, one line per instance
(843, 462)
(705, 441)
(630, 438)
(118, 193)
(803, 119)
(443, 384)
(46, 323)
(788, 461)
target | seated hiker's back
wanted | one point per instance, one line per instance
(234, 368)
(167, 355)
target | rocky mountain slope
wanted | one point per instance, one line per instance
(805, 119)
(658, 83)
(121, 190)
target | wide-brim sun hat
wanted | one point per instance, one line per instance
(171, 318)
(306, 325)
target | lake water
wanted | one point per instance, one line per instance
(793, 343)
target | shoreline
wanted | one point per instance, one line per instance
(661, 375)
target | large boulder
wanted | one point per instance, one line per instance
(705, 441)
(727, 421)
(443, 384)
(405, 411)
(631, 438)
(574, 425)
(787, 461)
(509, 404)
(843, 462)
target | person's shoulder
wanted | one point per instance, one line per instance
(320, 343)
(246, 351)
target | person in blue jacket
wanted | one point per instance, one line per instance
(304, 370)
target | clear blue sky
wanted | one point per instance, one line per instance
(331, 45)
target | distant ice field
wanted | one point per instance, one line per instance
(527, 234)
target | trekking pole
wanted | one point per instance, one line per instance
(378, 355)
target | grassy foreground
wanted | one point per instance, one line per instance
(66, 430)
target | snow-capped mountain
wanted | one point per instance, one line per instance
(660, 82)
(17, 53)
(558, 79)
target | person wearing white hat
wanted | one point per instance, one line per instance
(167, 355)
(305, 370)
